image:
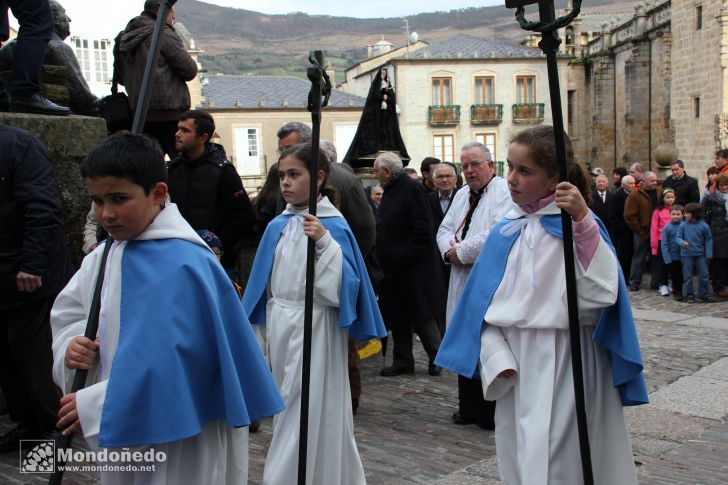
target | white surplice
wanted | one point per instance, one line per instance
(494, 203)
(218, 455)
(332, 456)
(536, 432)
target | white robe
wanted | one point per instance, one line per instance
(495, 203)
(332, 456)
(218, 455)
(536, 433)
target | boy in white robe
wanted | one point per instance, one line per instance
(175, 366)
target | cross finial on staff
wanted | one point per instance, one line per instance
(548, 26)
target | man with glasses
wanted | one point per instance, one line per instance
(460, 238)
(444, 176)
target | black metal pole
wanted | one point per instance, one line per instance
(140, 113)
(549, 45)
(79, 378)
(317, 76)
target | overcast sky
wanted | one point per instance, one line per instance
(101, 18)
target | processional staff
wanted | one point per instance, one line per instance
(547, 27)
(320, 87)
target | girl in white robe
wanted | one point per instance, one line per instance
(332, 456)
(524, 349)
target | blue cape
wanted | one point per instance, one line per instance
(358, 309)
(615, 330)
(186, 355)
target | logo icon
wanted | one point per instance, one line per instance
(41, 457)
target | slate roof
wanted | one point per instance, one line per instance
(593, 21)
(468, 47)
(267, 92)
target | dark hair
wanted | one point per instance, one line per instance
(678, 162)
(695, 210)
(427, 164)
(204, 124)
(540, 143)
(269, 190)
(711, 170)
(302, 153)
(302, 129)
(722, 153)
(152, 6)
(677, 207)
(137, 158)
(620, 170)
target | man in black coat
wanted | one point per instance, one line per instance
(411, 290)
(34, 267)
(206, 187)
(685, 187)
(444, 176)
(620, 233)
(600, 199)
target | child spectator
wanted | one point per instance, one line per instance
(715, 205)
(696, 247)
(671, 250)
(344, 305)
(661, 218)
(511, 326)
(185, 375)
(712, 173)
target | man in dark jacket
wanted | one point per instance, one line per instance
(411, 290)
(638, 210)
(445, 178)
(169, 95)
(685, 187)
(619, 231)
(600, 199)
(207, 188)
(34, 267)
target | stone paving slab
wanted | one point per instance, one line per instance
(405, 436)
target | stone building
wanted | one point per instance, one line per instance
(249, 110)
(467, 88)
(659, 78)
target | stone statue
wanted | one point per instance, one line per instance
(81, 100)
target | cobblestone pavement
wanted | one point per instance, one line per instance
(405, 436)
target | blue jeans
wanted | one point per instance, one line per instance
(699, 265)
(36, 28)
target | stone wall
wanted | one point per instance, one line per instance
(68, 140)
(627, 90)
(698, 71)
(659, 78)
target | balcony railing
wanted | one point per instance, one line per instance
(444, 114)
(486, 114)
(528, 112)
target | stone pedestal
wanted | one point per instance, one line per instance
(68, 140)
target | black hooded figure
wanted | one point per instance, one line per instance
(378, 128)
